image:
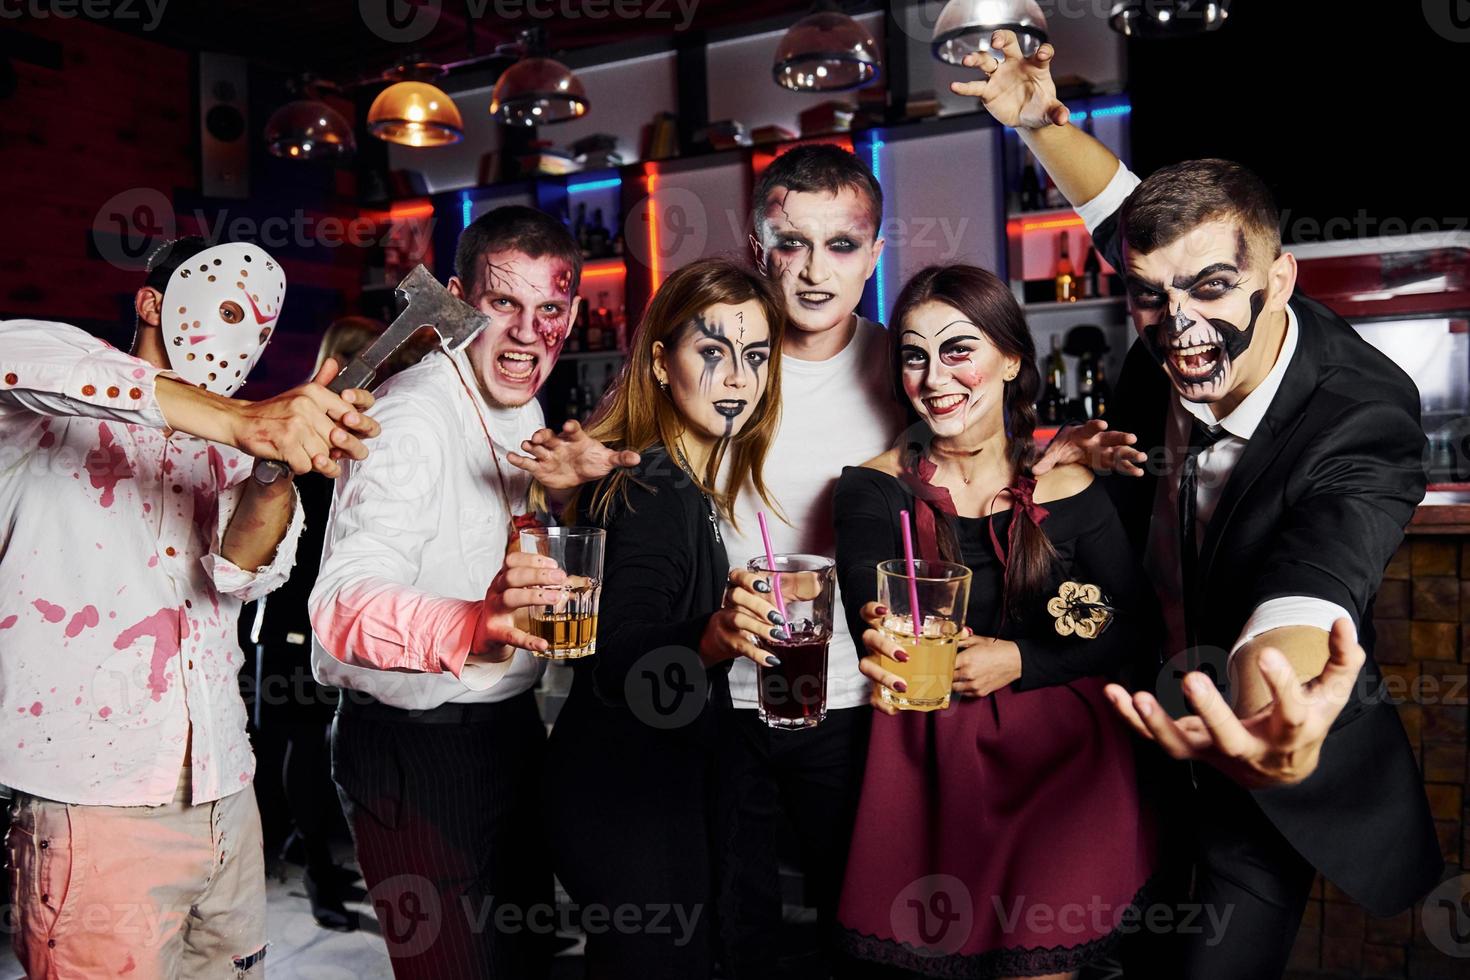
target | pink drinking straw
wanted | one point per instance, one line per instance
(908, 560)
(771, 563)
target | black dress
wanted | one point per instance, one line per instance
(974, 818)
(629, 755)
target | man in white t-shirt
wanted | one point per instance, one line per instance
(816, 213)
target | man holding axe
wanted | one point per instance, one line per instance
(130, 533)
(438, 744)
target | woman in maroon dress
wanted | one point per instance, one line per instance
(1004, 836)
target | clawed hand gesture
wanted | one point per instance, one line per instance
(1277, 746)
(1019, 91)
(569, 458)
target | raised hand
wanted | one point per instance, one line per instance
(570, 458)
(1094, 446)
(1279, 745)
(1018, 92)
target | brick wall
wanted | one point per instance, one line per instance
(1423, 622)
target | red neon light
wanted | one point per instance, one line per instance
(653, 255)
(604, 269)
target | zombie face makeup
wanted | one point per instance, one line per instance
(531, 307)
(952, 373)
(217, 313)
(1196, 304)
(715, 367)
(821, 248)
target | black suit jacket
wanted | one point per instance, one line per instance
(1316, 506)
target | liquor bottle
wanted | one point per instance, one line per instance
(598, 237)
(594, 328)
(1053, 408)
(580, 230)
(1087, 385)
(1102, 392)
(1092, 272)
(620, 328)
(1030, 184)
(574, 402)
(1066, 279)
(603, 314)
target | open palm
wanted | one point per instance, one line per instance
(1019, 91)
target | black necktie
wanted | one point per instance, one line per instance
(1201, 437)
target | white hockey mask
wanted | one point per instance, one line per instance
(219, 310)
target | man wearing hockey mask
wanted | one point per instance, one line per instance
(132, 532)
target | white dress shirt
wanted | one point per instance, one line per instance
(834, 413)
(418, 530)
(1216, 463)
(117, 611)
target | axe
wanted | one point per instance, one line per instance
(429, 305)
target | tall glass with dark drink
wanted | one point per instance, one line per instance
(794, 693)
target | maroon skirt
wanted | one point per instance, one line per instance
(1002, 837)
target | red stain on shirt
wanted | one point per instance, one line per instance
(129, 966)
(53, 613)
(8, 622)
(48, 438)
(36, 709)
(152, 561)
(83, 620)
(103, 711)
(107, 465)
(163, 626)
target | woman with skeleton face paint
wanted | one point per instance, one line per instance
(697, 398)
(1024, 789)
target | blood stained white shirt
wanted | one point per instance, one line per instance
(118, 648)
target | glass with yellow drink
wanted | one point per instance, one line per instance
(569, 625)
(942, 592)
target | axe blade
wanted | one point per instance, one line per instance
(429, 304)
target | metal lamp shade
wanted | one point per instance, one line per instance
(826, 51)
(1168, 18)
(965, 26)
(535, 91)
(415, 114)
(308, 130)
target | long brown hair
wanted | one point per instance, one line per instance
(988, 303)
(637, 415)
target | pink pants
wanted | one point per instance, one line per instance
(174, 891)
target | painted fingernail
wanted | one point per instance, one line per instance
(773, 661)
(775, 617)
(901, 657)
(881, 610)
(777, 633)
(761, 585)
(901, 687)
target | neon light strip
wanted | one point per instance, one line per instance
(653, 267)
(598, 273)
(595, 185)
(1050, 224)
(878, 176)
(466, 208)
(1112, 110)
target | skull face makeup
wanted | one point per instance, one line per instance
(1195, 304)
(219, 310)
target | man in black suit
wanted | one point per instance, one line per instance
(1286, 459)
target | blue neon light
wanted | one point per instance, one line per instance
(877, 145)
(466, 206)
(595, 185)
(1112, 110)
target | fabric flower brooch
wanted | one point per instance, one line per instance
(1080, 610)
